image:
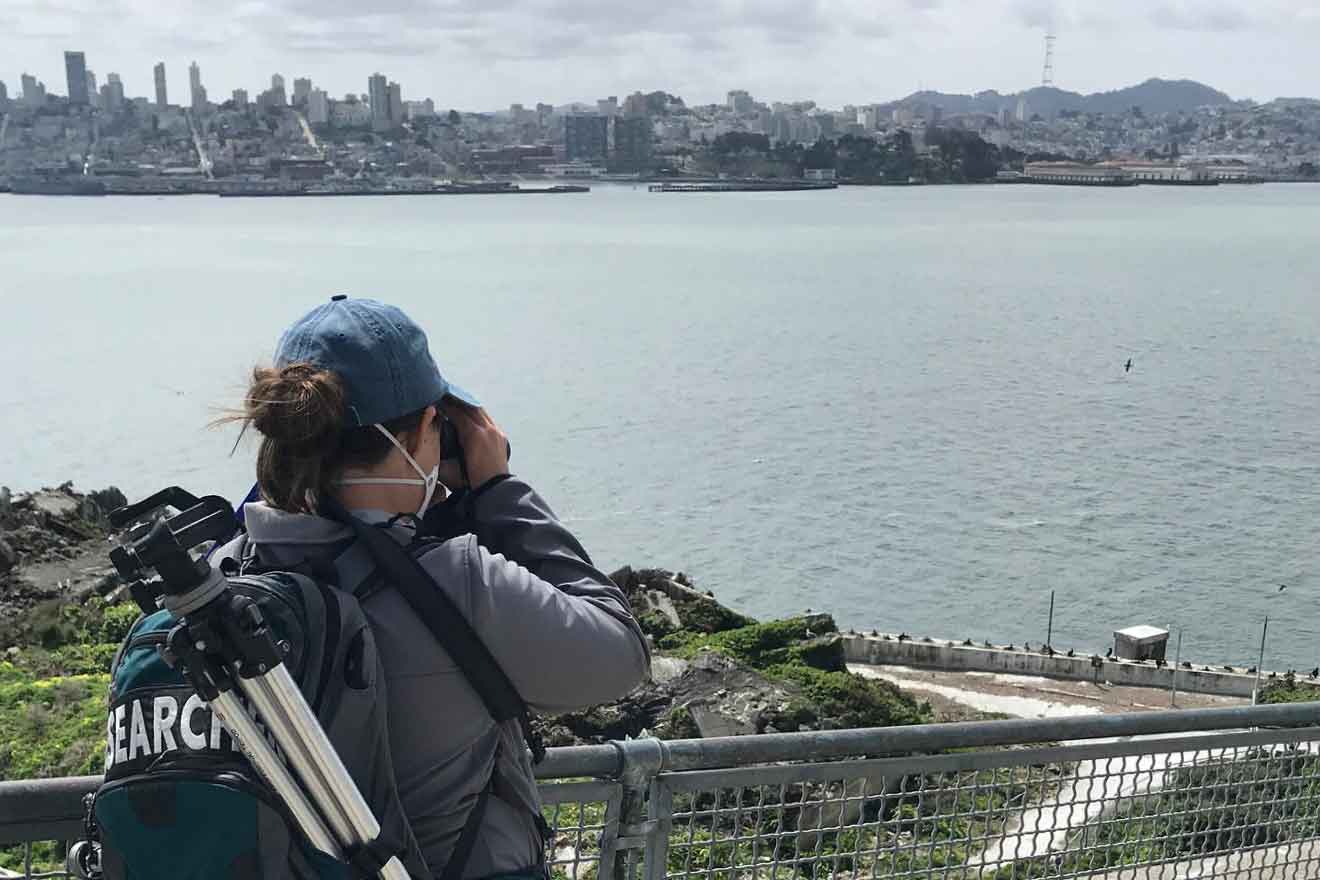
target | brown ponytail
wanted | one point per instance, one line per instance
(299, 411)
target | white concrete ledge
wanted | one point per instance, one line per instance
(955, 657)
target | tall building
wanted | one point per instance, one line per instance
(396, 104)
(318, 105)
(162, 99)
(1022, 115)
(302, 91)
(240, 98)
(34, 93)
(112, 93)
(586, 136)
(419, 109)
(275, 96)
(196, 91)
(608, 106)
(75, 70)
(4, 96)
(91, 87)
(378, 98)
(635, 104)
(632, 142)
(741, 102)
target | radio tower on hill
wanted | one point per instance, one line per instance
(1047, 75)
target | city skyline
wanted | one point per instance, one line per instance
(836, 52)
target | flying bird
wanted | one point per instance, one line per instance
(1282, 587)
(1127, 368)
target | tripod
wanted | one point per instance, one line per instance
(229, 654)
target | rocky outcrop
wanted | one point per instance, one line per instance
(52, 548)
(715, 672)
(719, 673)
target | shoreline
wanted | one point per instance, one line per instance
(164, 187)
(63, 558)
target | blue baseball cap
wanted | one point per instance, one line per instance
(380, 355)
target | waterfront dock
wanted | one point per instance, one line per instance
(740, 186)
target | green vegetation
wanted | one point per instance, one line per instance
(1263, 797)
(951, 156)
(1289, 690)
(805, 652)
(850, 826)
(577, 827)
(53, 698)
(53, 691)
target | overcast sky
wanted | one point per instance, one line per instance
(486, 54)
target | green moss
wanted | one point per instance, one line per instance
(759, 645)
(792, 650)
(849, 700)
(656, 624)
(708, 616)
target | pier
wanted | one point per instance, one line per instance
(740, 186)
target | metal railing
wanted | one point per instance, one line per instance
(1208, 793)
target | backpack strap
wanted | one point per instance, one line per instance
(402, 571)
(467, 840)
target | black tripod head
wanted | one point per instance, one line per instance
(154, 556)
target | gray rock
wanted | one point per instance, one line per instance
(667, 669)
(8, 557)
(55, 504)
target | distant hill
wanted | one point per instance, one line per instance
(1152, 96)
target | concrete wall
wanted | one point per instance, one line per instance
(952, 656)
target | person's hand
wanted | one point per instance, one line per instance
(485, 446)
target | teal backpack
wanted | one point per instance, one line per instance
(181, 802)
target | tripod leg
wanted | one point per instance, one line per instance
(242, 728)
(280, 703)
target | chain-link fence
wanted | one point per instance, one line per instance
(1204, 794)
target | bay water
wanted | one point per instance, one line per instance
(904, 406)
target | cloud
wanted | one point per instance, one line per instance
(468, 51)
(1203, 15)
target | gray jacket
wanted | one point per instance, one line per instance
(559, 628)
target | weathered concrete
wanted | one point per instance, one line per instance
(952, 656)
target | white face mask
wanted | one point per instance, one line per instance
(429, 481)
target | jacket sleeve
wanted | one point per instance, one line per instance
(561, 630)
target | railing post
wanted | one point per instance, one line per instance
(661, 810)
(641, 760)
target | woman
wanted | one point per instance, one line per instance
(353, 409)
